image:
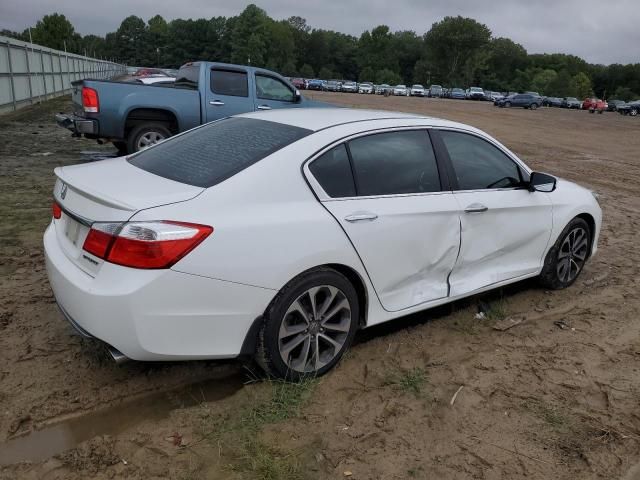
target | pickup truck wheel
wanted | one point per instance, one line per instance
(145, 135)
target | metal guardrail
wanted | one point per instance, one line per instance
(31, 73)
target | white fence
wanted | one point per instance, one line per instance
(31, 73)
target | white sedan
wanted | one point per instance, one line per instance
(280, 234)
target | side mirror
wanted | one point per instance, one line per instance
(297, 98)
(541, 182)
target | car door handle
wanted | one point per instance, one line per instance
(217, 103)
(264, 107)
(476, 208)
(360, 217)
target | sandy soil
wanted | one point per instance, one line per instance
(557, 396)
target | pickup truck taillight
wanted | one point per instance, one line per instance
(158, 244)
(90, 101)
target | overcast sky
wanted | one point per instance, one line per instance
(600, 32)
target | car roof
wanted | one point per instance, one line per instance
(322, 118)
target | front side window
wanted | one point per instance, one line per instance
(333, 172)
(394, 163)
(270, 88)
(229, 82)
(479, 165)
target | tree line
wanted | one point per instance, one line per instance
(455, 52)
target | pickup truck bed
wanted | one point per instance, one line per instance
(134, 116)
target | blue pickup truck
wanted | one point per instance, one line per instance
(134, 116)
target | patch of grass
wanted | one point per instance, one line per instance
(238, 435)
(260, 462)
(496, 311)
(408, 381)
(551, 415)
(414, 472)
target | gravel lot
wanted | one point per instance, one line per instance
(557, 396)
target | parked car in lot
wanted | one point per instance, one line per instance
(417, 90)
(315, 84)
(162, 254)
(333, 86)
(457, 93)
(475, 93)
(299, 83)
(598, 105)
(589, 103)
(552, 102)
(350, 87)
(571, 102)
(400, 90)
(524, 100)
(631, 108)
(365, 87)
(384, 89)
(612, 105)
(134, 116)
(435, 91)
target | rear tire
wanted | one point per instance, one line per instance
(507, 104)
(146, 134)
(534, 106)
(566, 259)
(308, 326)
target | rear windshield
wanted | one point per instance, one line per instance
(210, 154)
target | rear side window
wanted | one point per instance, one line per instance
(333, 172)
(210, 154)
(229, 82)
(394, 163)
(478, 164)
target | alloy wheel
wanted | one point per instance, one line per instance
(149, 138)
(572, 254)
(314, 328)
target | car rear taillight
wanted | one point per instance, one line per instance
(56, 211)
(144, 244)
(90, 101)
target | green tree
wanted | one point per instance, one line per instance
(582, 85)
(505, 57)
(543, 80)
(131, 41)
(562, 85)
(55, 31)
(325, 73)
(388, 76)
(248, 37)
(157, 34)
(454, 48)
(366, 74)
(306, 71)
(624, 93)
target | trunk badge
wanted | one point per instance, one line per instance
(63, 191)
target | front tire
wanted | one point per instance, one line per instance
(308, 326)
(566, 259)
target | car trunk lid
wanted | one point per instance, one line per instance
(108, 191)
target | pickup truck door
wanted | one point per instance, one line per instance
(272, 92)
(227, 93)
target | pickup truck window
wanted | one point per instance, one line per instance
(270, 88)
(229, 82)
(210, 154)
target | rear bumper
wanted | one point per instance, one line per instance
(77, 125)
(154, 314)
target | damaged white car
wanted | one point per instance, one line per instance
(280, 234)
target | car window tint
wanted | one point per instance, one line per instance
(478, 164)
(333, 172)
(394, 163)
(229, 82)
(210, 154)
(270, 88)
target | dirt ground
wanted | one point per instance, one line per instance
(555, 397)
